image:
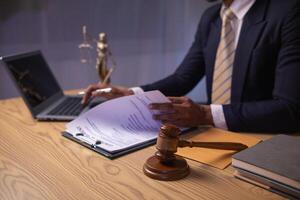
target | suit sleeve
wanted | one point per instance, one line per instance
(189, 72)
(282, 113)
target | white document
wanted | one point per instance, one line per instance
(119, 123)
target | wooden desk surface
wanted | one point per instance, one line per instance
(36, 162)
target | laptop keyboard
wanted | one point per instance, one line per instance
(71, 106)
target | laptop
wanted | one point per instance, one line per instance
(40, 90)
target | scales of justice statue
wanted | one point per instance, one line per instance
(103, 55)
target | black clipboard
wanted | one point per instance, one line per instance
(108, 154)
(116, 154)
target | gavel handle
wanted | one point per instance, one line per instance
(214, 145)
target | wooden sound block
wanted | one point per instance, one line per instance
(175, 170)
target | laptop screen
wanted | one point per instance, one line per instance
(33, 77)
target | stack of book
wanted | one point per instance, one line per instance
(273, 165)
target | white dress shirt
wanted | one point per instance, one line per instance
(240, 9)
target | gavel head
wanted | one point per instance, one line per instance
(167, 142)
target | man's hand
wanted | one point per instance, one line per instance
(182, 112)
(116, 91)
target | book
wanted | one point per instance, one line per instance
(276, 160)
(118, 126)
(267, 184)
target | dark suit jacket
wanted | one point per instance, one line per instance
(266, 73)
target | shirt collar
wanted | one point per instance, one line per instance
(239, 8)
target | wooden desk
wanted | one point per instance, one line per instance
(36, 162)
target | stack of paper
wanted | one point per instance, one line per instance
(118, 124)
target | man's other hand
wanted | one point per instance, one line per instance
(182, 112)
(116, 91)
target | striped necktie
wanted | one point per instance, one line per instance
(221, 89)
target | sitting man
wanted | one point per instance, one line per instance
(249, 51)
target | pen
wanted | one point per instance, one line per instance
(104, 90)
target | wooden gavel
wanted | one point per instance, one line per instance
(165, 165)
